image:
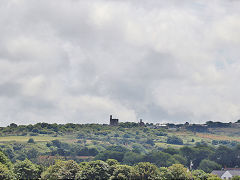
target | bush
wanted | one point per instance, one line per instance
(200, 174)
(80, 136)
(31, 140)
(159, 158)
(35, 130)
(62, 170)
(24, 134)
(5, 173)
(208, 166)
(94, 170)
(26, 170)
(110, 155)
(146, 170)
(160, 133)
(4, 160)
(131, 158)
(236, 178)
(126, 136)
(123, 172)
(150, 141)
(56, 143)
(175, 140)
(178, 171)
(116, 135)
(33, 134)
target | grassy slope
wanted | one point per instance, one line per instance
(230, 134)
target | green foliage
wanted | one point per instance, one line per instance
(4, 160)
(33, 134)
(35, 130)
(123, 172)
(161, 133)
(26, 170)
(32, 153)
(214, 177)
(150, 141)
(84, 151)
(117, 148)
(112, 152)
(177, 172)
(200, 175)
(130, 144)
(56, 143)
(81, 136)
(112, 162)
(131, 158)
(208, 166)
(126, 136)
(159, 158)
(224, 156)
(174, 140)
(5, 173)
(13, 125)
(94, 170)
(171, 151)
(236, 178)
(110, 155)
(189, 153)
(61, 170)
(138, 148)
(146, 170)
(180, 159)
(31, 140)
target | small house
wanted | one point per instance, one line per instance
(226, 174)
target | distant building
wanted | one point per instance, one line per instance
(113, 122)
(141, 123)
(227, 173)
(158, 126)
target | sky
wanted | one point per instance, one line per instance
(78, 61)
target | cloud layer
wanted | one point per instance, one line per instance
(80, 61)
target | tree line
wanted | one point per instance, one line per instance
(99, 170)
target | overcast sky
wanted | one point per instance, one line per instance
(80, 61)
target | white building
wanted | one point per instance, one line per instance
(226, 174)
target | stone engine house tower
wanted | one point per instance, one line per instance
(113, 122)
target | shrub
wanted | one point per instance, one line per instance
(123, 172)
(80, 136)
(26, 170)
(5, 173)
(33, 134)
(175, 140)
(178, 171)
(146, 170)
(94, 170)
(150, 141)
(31, 140)
(126, 136)
(4, 160)
(208, 166)
(160, 133)
(62, 170)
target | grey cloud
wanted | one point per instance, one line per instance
(9, 89)
(79, 61)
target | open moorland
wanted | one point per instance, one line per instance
(206, 147)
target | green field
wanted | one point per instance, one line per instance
(6, 139)
(189, 138)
